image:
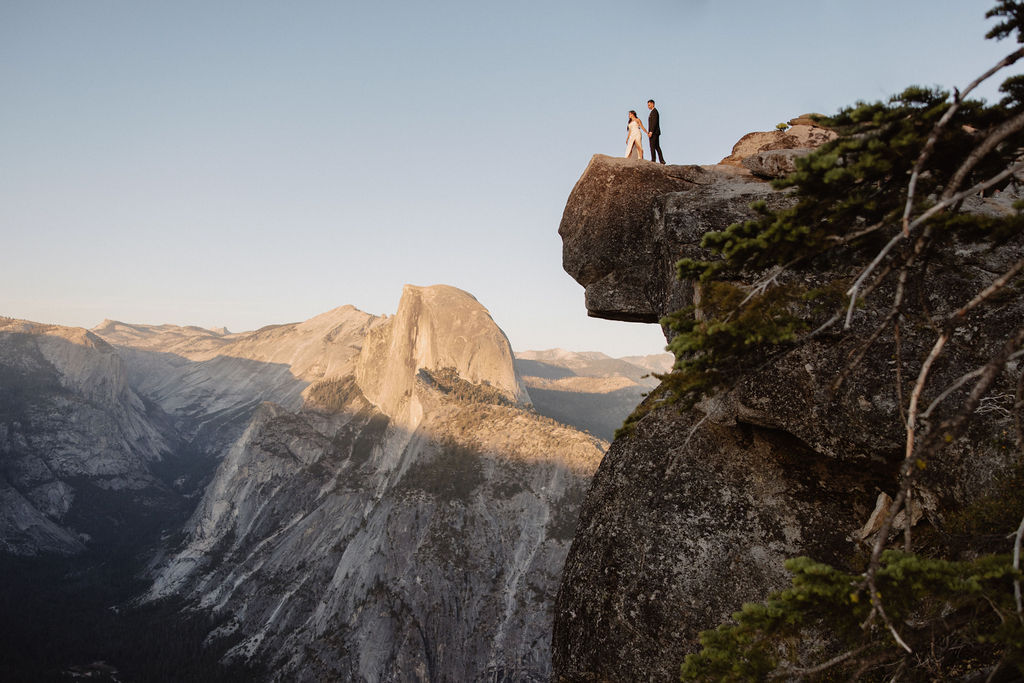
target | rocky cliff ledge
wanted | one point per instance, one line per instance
(627, 222)
(694, 512)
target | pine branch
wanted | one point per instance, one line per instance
(941, 125)
(1001, 132)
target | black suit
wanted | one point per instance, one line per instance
(654, 127)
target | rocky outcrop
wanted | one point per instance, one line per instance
(803, 133)
(694, 513)
(409, 522)
(435, 327)
(776, 163)
(627, 223)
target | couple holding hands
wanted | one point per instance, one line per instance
(653, 130)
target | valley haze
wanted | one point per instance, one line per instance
(353, 496)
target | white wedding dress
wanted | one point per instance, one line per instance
(634, 139)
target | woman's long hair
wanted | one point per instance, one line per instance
(632, 115)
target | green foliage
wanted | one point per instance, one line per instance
(967, 607)
(854, 181)
(781, 126)
(843, 189)
(448, 381)
(849, 198)
(453, 474)
(1012, 13)
(728, 338)
(332, 395)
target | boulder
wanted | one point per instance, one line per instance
(798, 136)
(775, 163)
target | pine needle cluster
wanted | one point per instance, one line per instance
(869, 209)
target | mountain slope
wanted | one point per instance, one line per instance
(72, 430)
(212, 382)
(408, 522)
(588, 390)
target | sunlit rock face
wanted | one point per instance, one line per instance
(803, 134)
(435, 327)
(408, 522)
(72, 431)
(694, 513)
(626, 223)
(210, 382)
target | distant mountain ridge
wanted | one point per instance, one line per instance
(589, 390)
(390, 501)
(392, 524)
(71, 428)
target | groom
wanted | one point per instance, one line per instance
(654, 132)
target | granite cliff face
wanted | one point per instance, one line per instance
(386, 505)
(435, 327)
(408, 522)
(694, 513)
(626, 223)
(211, 382)
(72, 430)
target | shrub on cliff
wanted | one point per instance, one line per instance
(875, 206)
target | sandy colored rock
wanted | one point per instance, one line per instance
(798, 136)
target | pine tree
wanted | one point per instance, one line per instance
(889, 190)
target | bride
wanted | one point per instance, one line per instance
(633, 128)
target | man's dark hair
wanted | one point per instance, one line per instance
(651, 101)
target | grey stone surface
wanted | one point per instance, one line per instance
(69, 423)
(388, 530)
(694, 513)
(776, 163)
(626, 223)
(800, 135)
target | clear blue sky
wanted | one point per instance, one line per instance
(247, 163)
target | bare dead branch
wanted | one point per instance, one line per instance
(853, 290)
(1000, 133)
(824, 666)
(859, 353)
(907, 540)
(824, 326)
(960, 196)
(962, 380)
(929, 145)
(762, 286)
(991, 404)
(1018, 406)
(938, 207)
(996, 285)
(992, 674)
(959, 382)
(899, 370)
(952, 428)
(878, 609)
(846, 239)
(915, 396)
(948, 431)
(1016, 566)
